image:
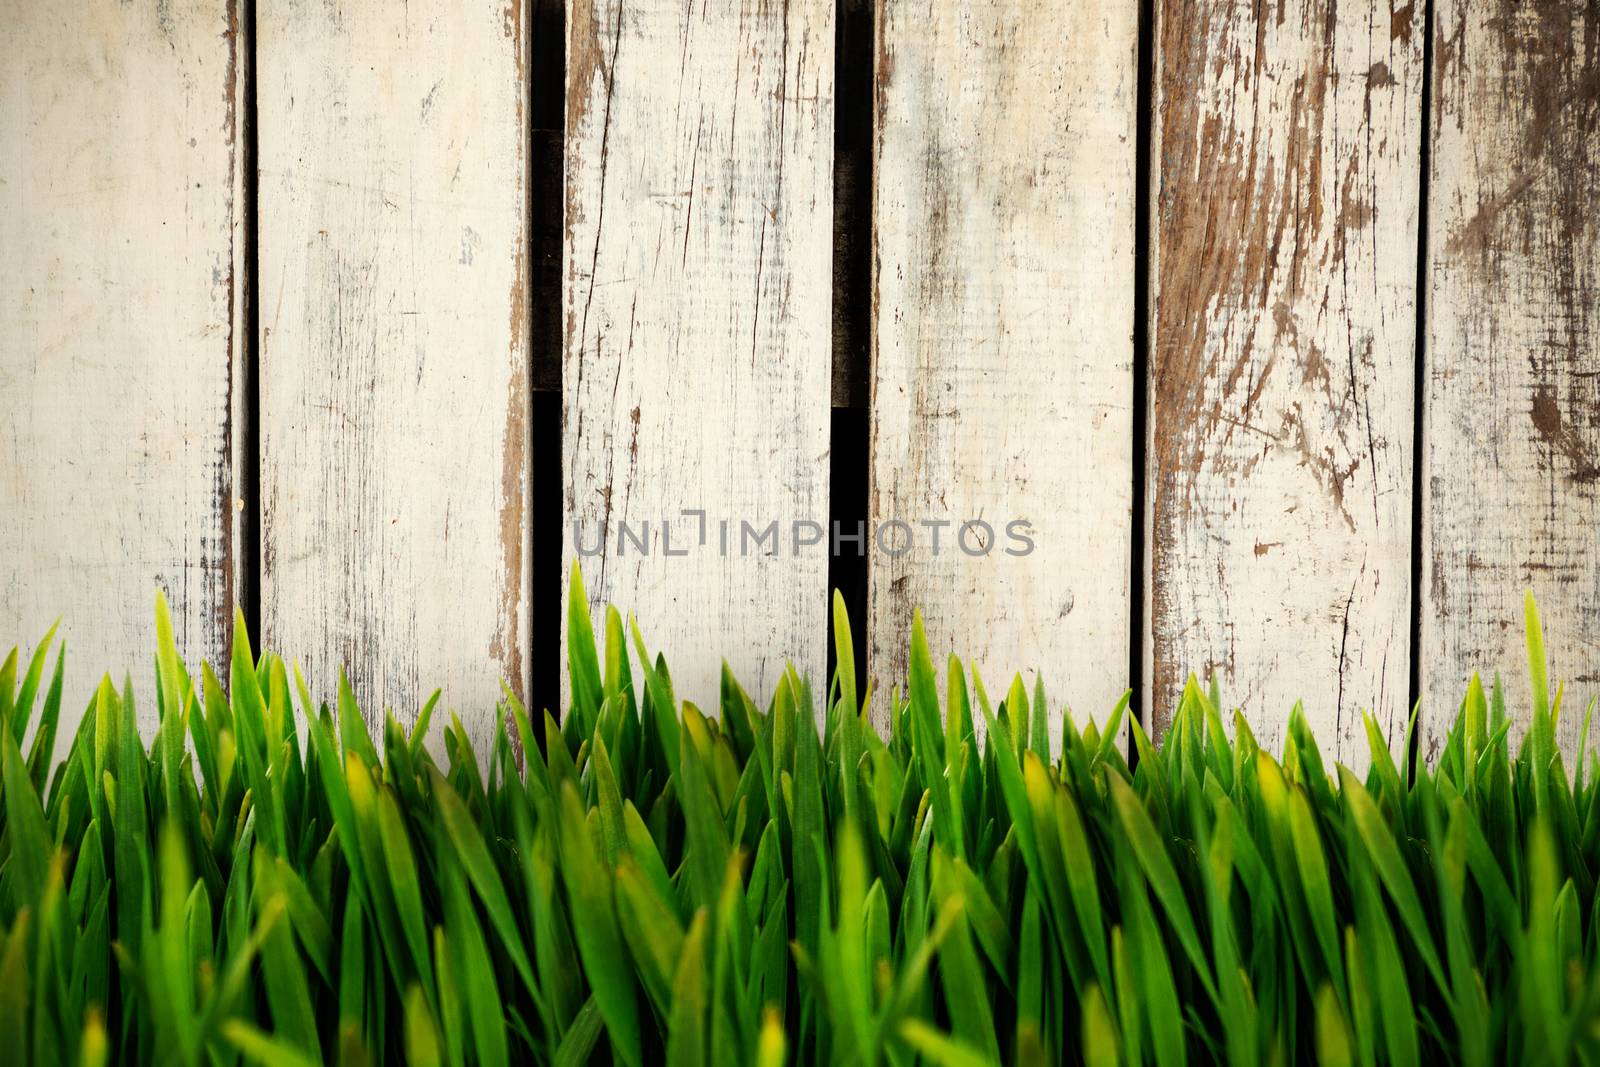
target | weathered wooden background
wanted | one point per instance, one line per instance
(1276, 322)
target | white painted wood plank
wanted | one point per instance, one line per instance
(1005, 157)
(1512, 414)
(117, 333)
(696, 369)
(393, 353)
(1286, 156)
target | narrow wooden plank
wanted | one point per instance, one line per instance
(1002, 391)
(1512, 416)
(118, 209)
(394, 374)
(1286, 156)
(697, 366)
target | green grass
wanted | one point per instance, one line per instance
(264, 883)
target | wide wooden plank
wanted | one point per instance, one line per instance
(394, 365)
(1286, 156)
(1002, 390)
(1512, 416)
(696, 372)
(118, 148)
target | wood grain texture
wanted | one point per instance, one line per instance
(1002, 381)
(118, 210)
(1286, 162)
(1512, 423)
(697, 366)
(394, 369)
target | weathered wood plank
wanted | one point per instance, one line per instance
(118, 207)
(1286, 156)
(1512, 415)
(394, 365)
(696, 366)
(1002, 391)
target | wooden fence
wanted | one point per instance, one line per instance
(1274, 322)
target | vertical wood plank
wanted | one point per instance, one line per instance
(1287, 146)
(1512, 417)
(394, 374)
(697, 371)
(1002, 385)
(118, 209)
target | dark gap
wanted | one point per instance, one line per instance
(847, 507)
(544, 489)
(1420, 382)
(852, 202)
(247, 347)
(547, 77)
(1141, 363)
(849, 457)
(547, 88)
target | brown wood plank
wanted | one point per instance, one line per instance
(1286, 161)
(1512, 420)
